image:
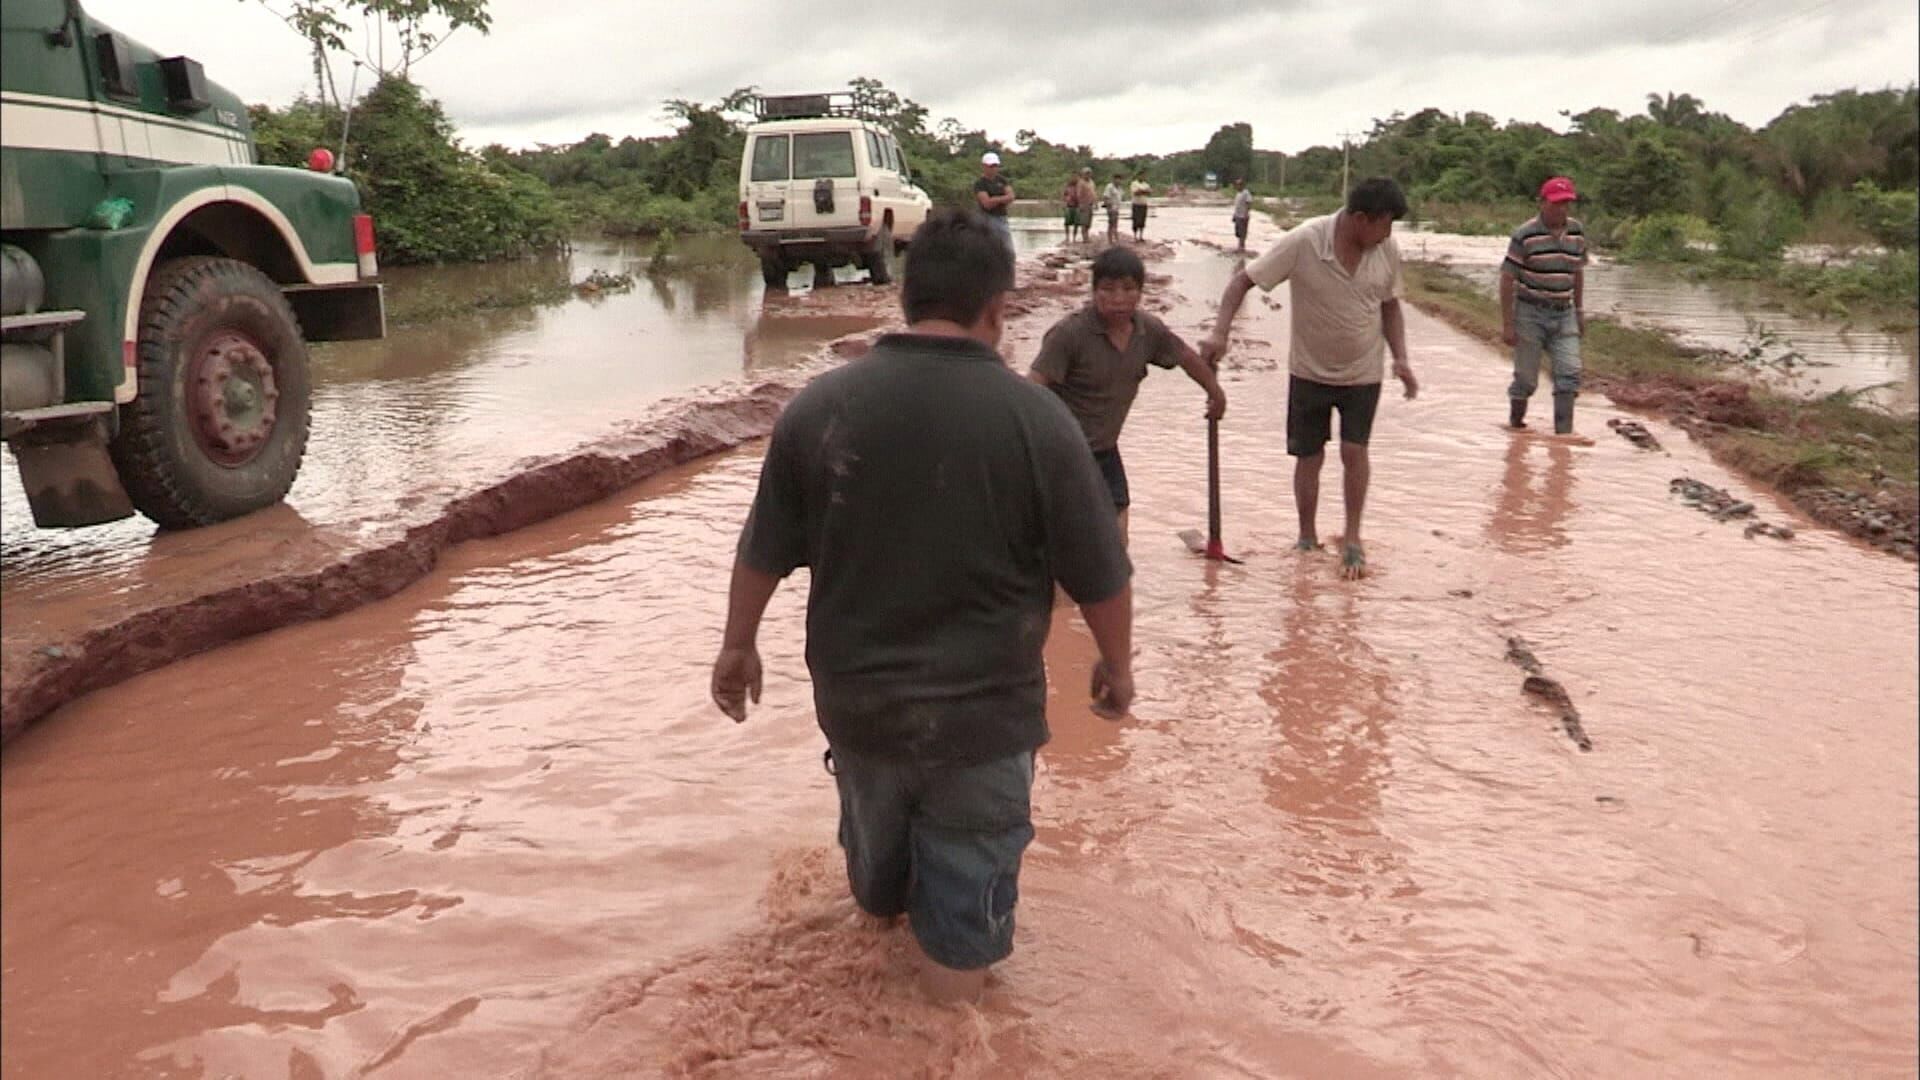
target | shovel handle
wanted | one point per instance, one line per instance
(1213, 483)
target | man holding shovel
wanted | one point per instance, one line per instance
(1096, 358)
(1345, 274)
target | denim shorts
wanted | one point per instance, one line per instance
(940, 843)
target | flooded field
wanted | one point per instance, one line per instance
(492, 826)
(1842, 355)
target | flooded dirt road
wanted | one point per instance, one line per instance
(493, 827)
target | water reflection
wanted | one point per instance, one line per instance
(1531, 510)
(272, 778)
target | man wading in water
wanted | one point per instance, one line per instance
(1545, 272)
(1345, 271)
(1096, 358)
(936, 497)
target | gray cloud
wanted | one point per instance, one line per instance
(1121, 76)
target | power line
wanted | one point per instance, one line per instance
(1773, 28)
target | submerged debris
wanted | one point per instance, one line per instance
(1634, 432)
(1521, 653)
(600, 282)
(1720, 506)
(1551, 692)
(1548, 690)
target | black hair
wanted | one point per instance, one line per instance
(1375, 196)
(955, 266)
(1118, 262)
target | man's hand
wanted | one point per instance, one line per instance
(1580, 321)
(736, 677)
(1112, 691)
(1216, 402)
(1213, 350)
(1405, 374)
(1508, 335)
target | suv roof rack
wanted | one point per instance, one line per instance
(811, 106)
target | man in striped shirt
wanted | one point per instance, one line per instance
(1541, 284)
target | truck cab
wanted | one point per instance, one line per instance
(160, 288)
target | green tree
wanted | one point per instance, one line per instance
(1229, 153)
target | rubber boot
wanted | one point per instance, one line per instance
(1563, 414)
(1517, 412)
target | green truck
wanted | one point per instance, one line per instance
(157, 287)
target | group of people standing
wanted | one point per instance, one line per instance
(938, 499)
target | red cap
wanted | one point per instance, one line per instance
(1558, 189)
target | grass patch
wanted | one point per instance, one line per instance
(1790, 443)
(434, 305)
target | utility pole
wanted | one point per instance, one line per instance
(1346, 160)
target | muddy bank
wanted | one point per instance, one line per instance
(1848, 467)
(306, 575)
(43, 675)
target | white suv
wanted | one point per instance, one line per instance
(822, 183)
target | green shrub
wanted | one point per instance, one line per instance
(1892, 218)
(1668, 238)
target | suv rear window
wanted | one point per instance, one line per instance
(823, 153)
(770, 157)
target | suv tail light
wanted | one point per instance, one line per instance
(363, 245)
(866, 210)
(745, 221)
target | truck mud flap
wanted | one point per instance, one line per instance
(69, 479)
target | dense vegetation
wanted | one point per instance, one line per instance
(1677, 183)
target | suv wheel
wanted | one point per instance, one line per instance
(875, 259)
(773, 271)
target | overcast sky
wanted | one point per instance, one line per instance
(1122, 76)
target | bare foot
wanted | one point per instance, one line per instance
(1353, 562)
(1306, 544)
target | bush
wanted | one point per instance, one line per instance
(433, 200)
(1892, 218)
(1757, 229)
(1669, 238)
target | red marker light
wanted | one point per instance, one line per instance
(321, 160)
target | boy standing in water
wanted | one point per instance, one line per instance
(937, 498)
(1097, 357)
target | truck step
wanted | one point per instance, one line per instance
(13, 423)
(43, 320)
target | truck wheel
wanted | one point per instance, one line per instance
(220, 424)
(875, 260)
(774, 272)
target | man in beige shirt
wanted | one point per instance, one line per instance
(1345, 270)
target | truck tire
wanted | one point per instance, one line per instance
(875, 259)
(774, 272)
(220, 423)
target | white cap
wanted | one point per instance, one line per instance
(989, 158)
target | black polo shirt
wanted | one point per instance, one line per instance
(936, 497)
(992, 187)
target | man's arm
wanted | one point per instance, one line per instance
(1111, 621)
(1507, 333)
(1203, 373)
(736, 672)
(986, 201)
(1215, 346)
(1006, 197)
(1579, 300)
(1393, 322)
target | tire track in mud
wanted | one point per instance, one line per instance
(52, 674)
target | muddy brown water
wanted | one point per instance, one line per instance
(1841, 354)
(493, 827)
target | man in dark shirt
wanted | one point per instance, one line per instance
(994, 193)
(1096, 358)
(937, 498)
